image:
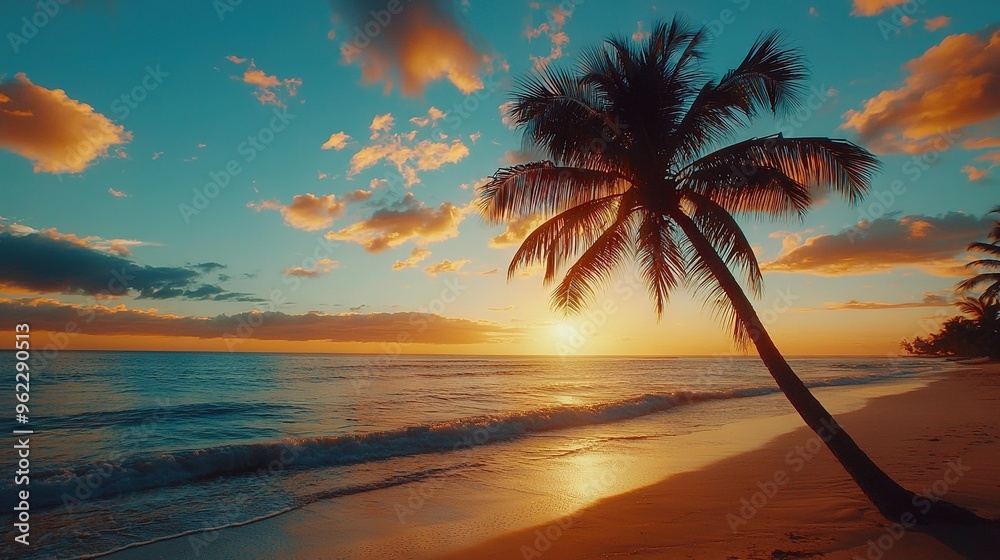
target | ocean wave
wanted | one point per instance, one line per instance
(95, 480)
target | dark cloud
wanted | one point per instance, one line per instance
(423, 328)
(41, 264)
(929, 300)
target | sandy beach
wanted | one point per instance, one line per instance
(783, 501)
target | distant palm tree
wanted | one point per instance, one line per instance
(632, 175)
(991, 279)
(985, 311)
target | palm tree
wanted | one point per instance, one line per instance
(632, 176)
(991, 278)
(985, 312)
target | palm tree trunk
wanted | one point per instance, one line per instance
(892, 500)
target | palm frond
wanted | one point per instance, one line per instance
(769, 79)
(596, 266)
(727, 239)
(970, 284)
(564, 235)
(814, 162)
(564, 116)
(660, 258)
(543, 189)
(991, 248)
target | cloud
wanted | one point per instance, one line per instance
(380, 124)
(932, 244)
(935, 23)
(929, 300)
(416, 257)
(407, 220)
(950, 87)
(322, 267)
(639, 34)
(433, 116)
(48, 263)
(58, 134)
(975, 174)
(421, 328)
(504, 308)
(407, 156)
(420, 44)
(122, 247)
(490, 272)
(553, 29)
(116, 194)
(307, 211)
(981, 143)
(516, 231)
(267, 86)
(505, 117)
(874, 7)
(337, 141)
(446, 266)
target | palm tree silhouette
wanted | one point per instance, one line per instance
(992, 291)
(632, 176)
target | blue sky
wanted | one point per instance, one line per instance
(202, 110)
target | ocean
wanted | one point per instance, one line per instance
(136, 447)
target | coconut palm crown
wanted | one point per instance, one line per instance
(991, 265)
(641, 170)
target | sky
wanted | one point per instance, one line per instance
(252, 176)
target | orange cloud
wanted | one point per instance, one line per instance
(557, 37)
(935, 23)
(950, 87)
(416, 256)
(307, 211)
(409, 220)
(323, 266)
(446, 266)
(421, 328)
(981, 143)
(974, 173)
(58, 134)
(932, 244)
(874, 7)
(420, 43)
(116, 194)
(639, 34)
(400, 150)
(433, 116)
(337, 141)
(268, 86)
(516, 231)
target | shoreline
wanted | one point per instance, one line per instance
(317, 531)
(790, 499)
